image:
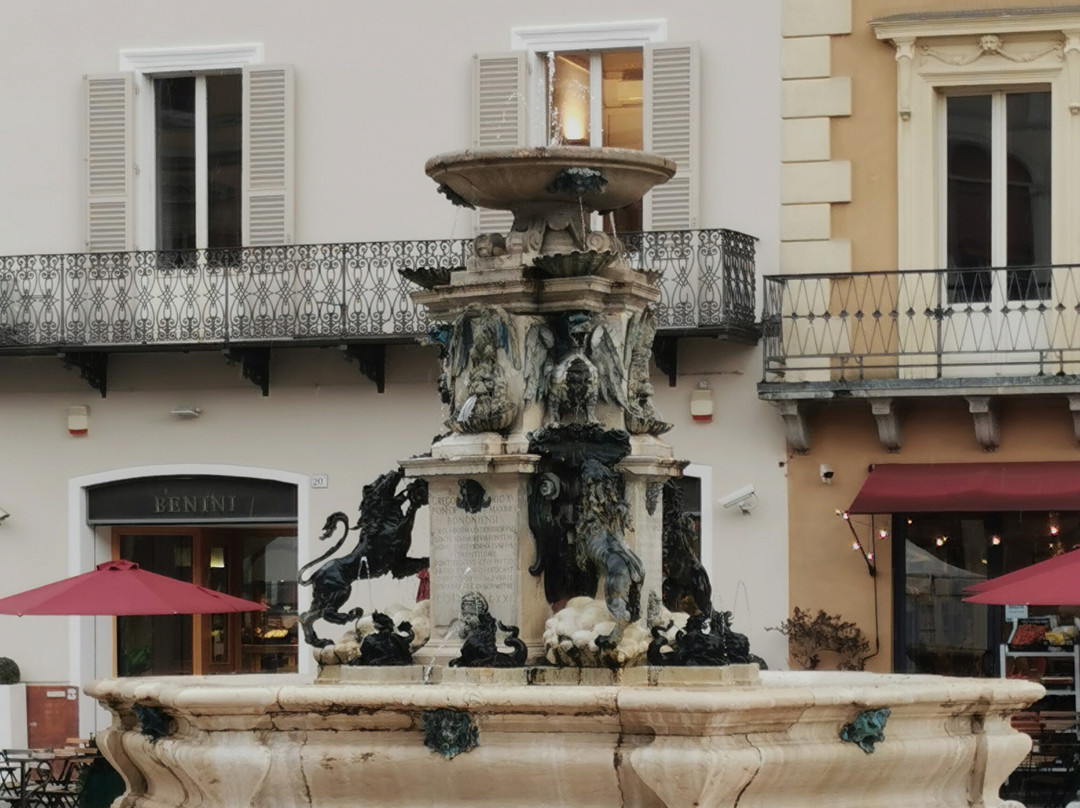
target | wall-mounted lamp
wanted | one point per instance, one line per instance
(701, 403)
(186, 412)
(743, 498)
(825, 472)
(3, 515)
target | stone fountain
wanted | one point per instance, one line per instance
(554, 664)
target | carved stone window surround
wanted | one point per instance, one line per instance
(936, 54)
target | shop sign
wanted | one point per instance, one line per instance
(1016, 612)
(190, 500)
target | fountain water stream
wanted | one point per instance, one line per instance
(548, 543)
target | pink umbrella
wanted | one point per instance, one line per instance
(121, 588)
(1068, 560)
(1053, 582)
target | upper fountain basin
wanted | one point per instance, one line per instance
(522, 179)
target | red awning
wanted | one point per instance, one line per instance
(930, 487)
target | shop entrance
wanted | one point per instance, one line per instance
(254, 563)
(235, 535)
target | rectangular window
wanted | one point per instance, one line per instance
(998, 197)
(595, 98)
(198, 161)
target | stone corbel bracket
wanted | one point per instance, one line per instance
(888, 423)
(795, 425)
(905, 56)
(1074, 408)
(984, 413)
(1071, 52)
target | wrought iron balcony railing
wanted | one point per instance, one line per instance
(319, 293)
(934, 324)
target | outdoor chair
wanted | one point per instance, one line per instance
(58, 785)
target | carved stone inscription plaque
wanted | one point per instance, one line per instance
(474, 551)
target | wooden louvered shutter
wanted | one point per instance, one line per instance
(268, 155)
(498, 116)
(671, 130)
(109, 163)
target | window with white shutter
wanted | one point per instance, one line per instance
(585, 86)
(109, 162)
(671, 130)
(268, 155)
(211, 131)
(499, 103)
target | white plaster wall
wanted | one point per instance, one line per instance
(379, 89)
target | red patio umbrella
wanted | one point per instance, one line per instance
(1043, 567)
(1053, 582)
(120, 588)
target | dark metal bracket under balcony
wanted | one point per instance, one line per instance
(248, 302)
(980, 335)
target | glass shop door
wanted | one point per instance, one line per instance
(254, 563)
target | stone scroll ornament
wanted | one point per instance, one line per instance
(579, 358)
(473, 382)
(578, 515)
(382, 547)
(480, 630)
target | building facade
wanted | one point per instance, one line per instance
(206, 344)
(925, 312)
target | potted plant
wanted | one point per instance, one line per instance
(12, 706)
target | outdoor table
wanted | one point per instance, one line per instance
(20, 768)
(41, 777)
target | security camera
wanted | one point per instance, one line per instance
(3, 514)
(826, 473)
(744, 499)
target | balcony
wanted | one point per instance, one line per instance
(245, 301)
(975, 333)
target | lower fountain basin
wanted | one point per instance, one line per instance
(677, 739)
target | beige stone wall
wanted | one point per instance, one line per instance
(866, 139)
(825, 572)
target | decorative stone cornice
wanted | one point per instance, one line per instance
(1001, 21)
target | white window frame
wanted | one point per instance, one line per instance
(999, 185)
(146, 64)
(936, 54)
(542, 39)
